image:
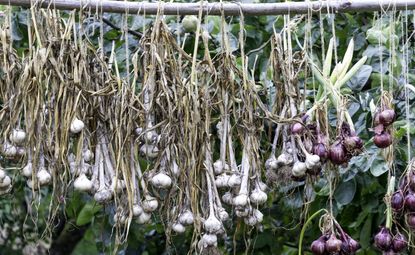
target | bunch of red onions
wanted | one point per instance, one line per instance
(390, 244)
(329, 243)
(403, 200)
(382, 127)
(347, 145)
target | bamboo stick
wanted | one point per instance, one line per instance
(229, 9)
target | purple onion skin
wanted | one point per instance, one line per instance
(410, 202)
(354, 245)
(383, 239)
(353, 142)
(386, 117)
(338, 154)
(333, 245)
(397, 201)
(399, 243)
(412, 182)
(382, 140)
(297, 128)
(410, 220)
(320, 150)
(318, 247)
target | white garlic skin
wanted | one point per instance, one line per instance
(178, 228)
(240, 200)
(143, 218)
(212, 224)
(285, 159)
(2, 174)
(175, 169)
(117, 184)
(219, 167)
(186, 218)
(77, 126)
(82, 183)
(9, 150)
(299, 169)
(255, 218)
(258, 196)
(161, 180)
(311, 161)
(27, 170)
(209, 240)
(43, 176)
(149, 150)
(103, 195)
(17, 136)
(137, 210)
(235, 180)
(271, 163)
(242, 212)
(222, 180)
(150, 204)
(223, 215)
(88, 155)
(6, 182)
(151, 137)
(21, 151)
(227, 198)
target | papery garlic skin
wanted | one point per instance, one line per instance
(77, 126)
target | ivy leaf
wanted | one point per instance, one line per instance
(345, 192)
(359, 80)
(87, 213)
(378, 167)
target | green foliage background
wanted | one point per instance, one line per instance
(359, 206)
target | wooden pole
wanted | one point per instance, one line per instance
(229, 9)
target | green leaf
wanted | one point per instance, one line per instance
(378, 167)
(345, 192)
(358, 81)
(87, 213)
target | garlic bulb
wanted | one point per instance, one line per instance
(77, 126)
(17, 136)
(186, 217)
(6, 182)
(21, 151)
(255, 218)
(212, 224)
(242, 212)
(161, 180)
(117, 184)
(219, 167)
(240, 200)
(258, 196)
(27, 170)
(82, 183)
(2, 174)
(311, 161)
(227, 198)
(285, 159)
(299, 169)
(222, 180)
(234, 181)
(271, 163)
(137, 210)
(43, 176)
(178, 228)
(103, 195)
(88, 155)
(209, 240)
(223, 215)
(143, 218)
(120, 218)
(151, 137)
(149, 150)
(9, 150)
(150, 204)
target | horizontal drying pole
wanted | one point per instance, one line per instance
(229, 9)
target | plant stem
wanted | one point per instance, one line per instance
(300, 244)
